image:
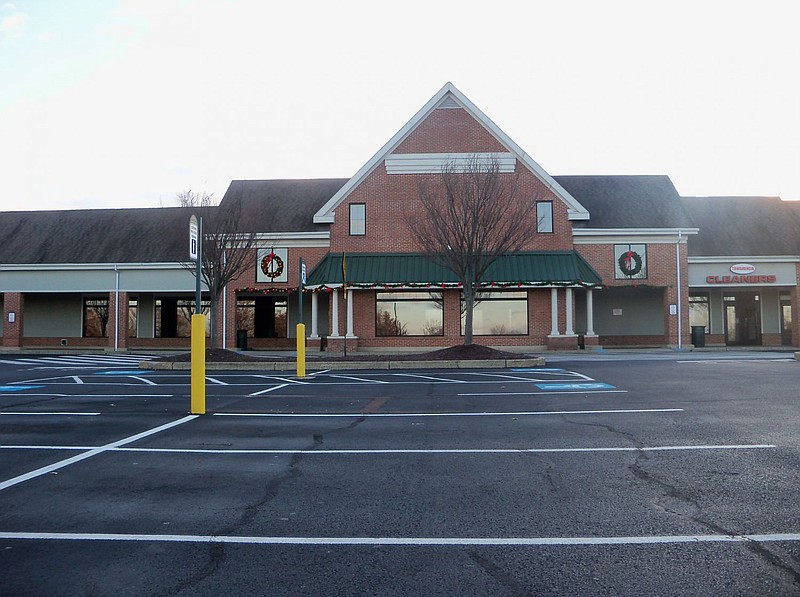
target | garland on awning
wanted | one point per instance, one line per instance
(415, 285)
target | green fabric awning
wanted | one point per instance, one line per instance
(413, 270)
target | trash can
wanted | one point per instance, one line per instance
(241, 339)
(699, 336)
(323, 343)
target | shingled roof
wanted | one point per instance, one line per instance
(744, 226)
(635, 201)
(282, 205)
(141, 235)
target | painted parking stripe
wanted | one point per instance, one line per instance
(54, 414)
(575, 386)
(412, 541)
(358, 452)
(550, 393)
(624, 411)
(18, 388)
(92, 452)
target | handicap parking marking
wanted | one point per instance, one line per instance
(575, 386)
(18, 388)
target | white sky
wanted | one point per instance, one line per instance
(124, 103)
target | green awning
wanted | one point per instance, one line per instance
(413, 270)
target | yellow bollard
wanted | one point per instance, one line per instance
(198, 364)
(301, 350)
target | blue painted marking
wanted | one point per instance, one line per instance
(18, 388)
(538, 370)
(137, 372)
(575, 386)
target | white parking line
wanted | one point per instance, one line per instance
(270, 452)
(449, 451)
(458, 414)
(272, 389)
(546, 393)
(408, 541)
(143, 380)
(358, 379)
(55, 414)
(430, 378)
(92, 452)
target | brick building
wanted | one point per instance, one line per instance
(610, 261)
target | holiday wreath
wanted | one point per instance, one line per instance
(630, 263)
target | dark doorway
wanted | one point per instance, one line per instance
(742, 319)
(269, 320)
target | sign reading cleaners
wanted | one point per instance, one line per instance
(743, 273)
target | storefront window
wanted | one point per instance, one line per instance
(409, 314)
(498, 314)
(699, 311)
(174, 317)
(133, 317)
(95, 317)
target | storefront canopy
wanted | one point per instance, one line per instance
(385, 270)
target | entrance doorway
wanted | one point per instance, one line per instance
(262, 316)
(742, 319)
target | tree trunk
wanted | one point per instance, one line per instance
(469, 304)
(213, 314)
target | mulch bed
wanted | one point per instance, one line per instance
(472, 352)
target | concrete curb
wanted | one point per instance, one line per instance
(345, 365)
(797, 356)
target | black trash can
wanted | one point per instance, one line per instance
(241, 339)
(699, 336)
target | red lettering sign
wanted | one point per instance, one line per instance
(767, 279)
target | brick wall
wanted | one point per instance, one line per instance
(13, 302)
(661, 273)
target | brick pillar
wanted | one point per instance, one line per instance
(13, 308)
(118, 320)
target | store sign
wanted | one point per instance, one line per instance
(763, 279)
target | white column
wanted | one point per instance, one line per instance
(314, 314)
(589, 313)
(335, 309)
(570, 331)
(554, 311)
(350, 333)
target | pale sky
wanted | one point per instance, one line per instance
(124, 103)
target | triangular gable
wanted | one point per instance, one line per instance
(449, 95)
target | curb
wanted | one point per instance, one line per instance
(345, 365)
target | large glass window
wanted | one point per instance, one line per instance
(498, 314)
(544, 216)
(698, 311)
(133, 317)
(358, 219)
(409, 314)
(95, 317)
(174, 317)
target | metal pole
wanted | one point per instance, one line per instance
(680, 290)
(198, 268)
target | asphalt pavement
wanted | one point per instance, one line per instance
(649, 473)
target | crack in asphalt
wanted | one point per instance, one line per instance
(500, 575)
(217, 554)
(672, 492)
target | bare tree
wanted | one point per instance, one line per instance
(227, 252)
(469, 218)
(191, 199)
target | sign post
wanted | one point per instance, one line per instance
(198, 393)
(301, 328)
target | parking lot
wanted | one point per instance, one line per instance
(597, 476)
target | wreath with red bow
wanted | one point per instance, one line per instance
(630, 263)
